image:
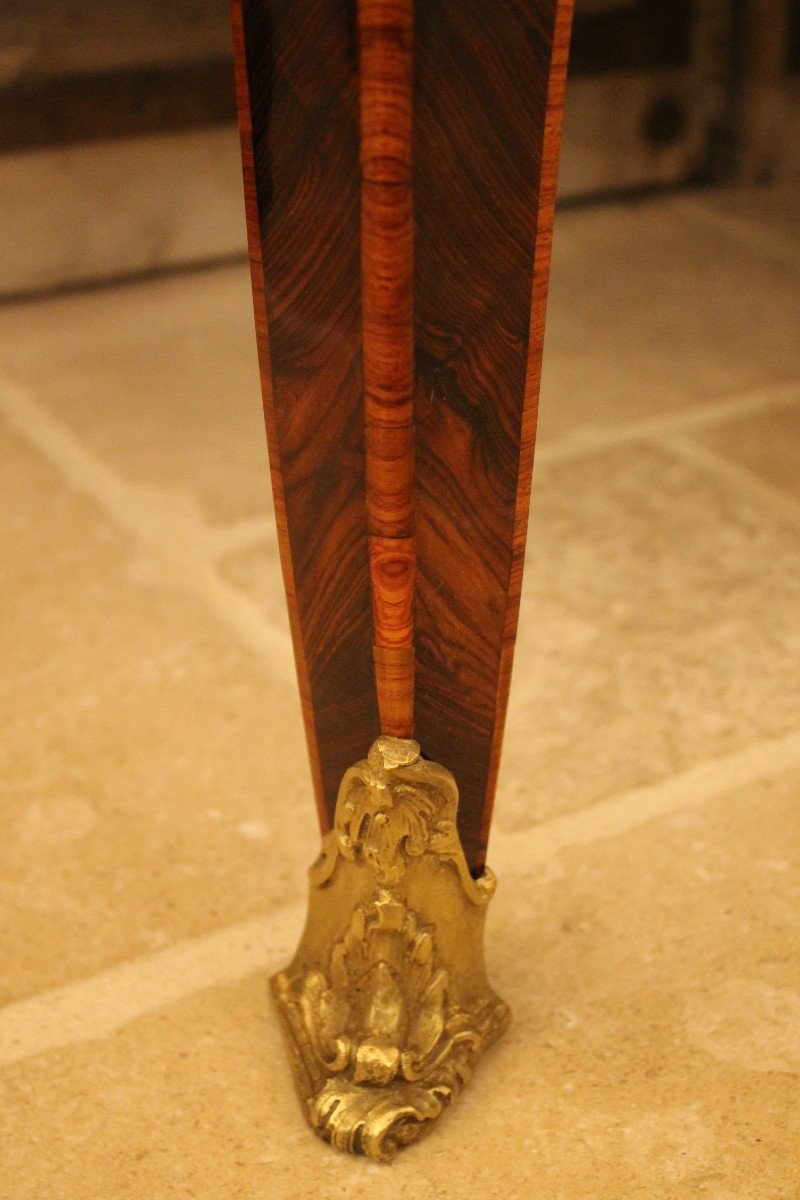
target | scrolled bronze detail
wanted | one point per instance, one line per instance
(386, 1005)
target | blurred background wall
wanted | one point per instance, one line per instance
(119, 153)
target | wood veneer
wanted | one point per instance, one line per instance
(488, 102)
(399, 180)
(385, 32)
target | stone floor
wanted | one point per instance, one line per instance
(647, 926)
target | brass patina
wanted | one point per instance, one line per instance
(386, 1005)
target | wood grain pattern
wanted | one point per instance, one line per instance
(488, 97)
(385, 30)
(297, 87)
(545, 216)
(423, 483)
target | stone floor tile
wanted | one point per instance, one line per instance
(767, 444)
(660, 626)
(146, 759)
(654, 1051)
(652, 310)
(159, 379)
(766, 219)
(256, 570)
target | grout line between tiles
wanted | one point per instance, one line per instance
(179, 542)
(93, 1008)
(251, 531)
(704, 415)
(735, 475)
(512, 853)
(125, 503)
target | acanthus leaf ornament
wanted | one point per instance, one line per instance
(386, 1005)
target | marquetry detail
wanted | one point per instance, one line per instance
(400, 164)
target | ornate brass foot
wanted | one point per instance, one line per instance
(386, 1006)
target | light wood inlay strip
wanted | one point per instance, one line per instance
(387, 260)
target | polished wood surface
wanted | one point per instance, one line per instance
(385, 33)
(297, 87)
(448, 185)
(488, 101)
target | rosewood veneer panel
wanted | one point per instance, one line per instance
(487, 123)
(400, 177)
(297, 82)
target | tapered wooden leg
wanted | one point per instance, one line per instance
(400, 165)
